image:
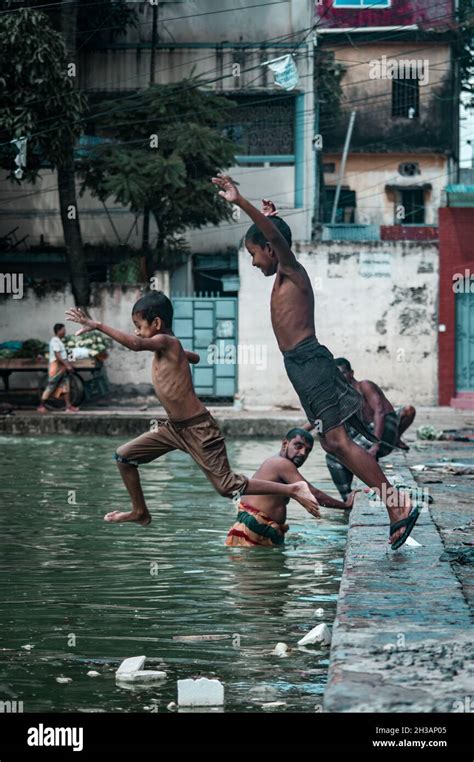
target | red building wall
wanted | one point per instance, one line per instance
(456, 255)
(429, 14)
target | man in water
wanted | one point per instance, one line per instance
(381, 419)
(325, 395)
(261, 518)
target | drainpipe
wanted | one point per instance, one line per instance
(146, 211)
(343, 166)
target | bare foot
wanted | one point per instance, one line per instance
(41, 409)
(402, 445)
(349, 501)
(305, 497)
(140, 518)
(399, 513)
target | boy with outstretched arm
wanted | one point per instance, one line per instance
(326, 397)
(189, 427)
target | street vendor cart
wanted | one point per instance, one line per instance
(88, 379)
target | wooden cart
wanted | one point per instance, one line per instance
(88, 380)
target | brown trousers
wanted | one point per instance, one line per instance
(200, 437)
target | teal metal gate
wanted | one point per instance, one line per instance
(465, 342)
(208, 326)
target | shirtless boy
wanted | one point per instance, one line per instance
(261, 518)
(327, 399)
(189, 427)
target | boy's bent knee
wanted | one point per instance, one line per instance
(231, 486)
(335, 447)
(122, 459)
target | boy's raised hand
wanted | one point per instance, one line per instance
(268, 208)
(76, 315)
(228, 188)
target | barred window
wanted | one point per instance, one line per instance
(346, 208)
(262, 124)
(411, 208)
(406, 97)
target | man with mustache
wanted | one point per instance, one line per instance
(261, 518)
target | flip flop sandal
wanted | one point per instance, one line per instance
(409, 523)
(416, 493)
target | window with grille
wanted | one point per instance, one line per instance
(406, 97)
(262, 124)
(412, 201)
(345, 213)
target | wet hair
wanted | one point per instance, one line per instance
(155, 304)
(57, 327)
(301, 433)
(255, 235)
(345, 363)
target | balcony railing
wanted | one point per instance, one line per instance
(351, 232)
(355, 232)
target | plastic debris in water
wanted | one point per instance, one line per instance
(201, 692)
(319, 634)
(273, 705)
(281, 649)
(130, 672)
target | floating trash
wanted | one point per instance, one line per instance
(319, 634)
(201, 692)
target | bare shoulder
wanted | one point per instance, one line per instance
(286, 468)
(165, 345)
(297, 274)
(370, 390)
(370, 386)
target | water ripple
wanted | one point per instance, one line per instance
(77, 593)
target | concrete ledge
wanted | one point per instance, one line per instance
(401, 638)
(261, 422)
(133, 424)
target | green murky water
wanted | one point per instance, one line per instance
(78, 594)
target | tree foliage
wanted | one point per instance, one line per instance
(38, 97)
(168, 142)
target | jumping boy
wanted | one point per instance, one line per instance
(189, 427)
(327, 399)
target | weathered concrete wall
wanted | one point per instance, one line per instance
(368, 175)
(32, 317)
(375, 129)
(384, 324)
(35, 209)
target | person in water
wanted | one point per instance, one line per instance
(261, 518)
(381, 419)
(189, 427)
(326, 397)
